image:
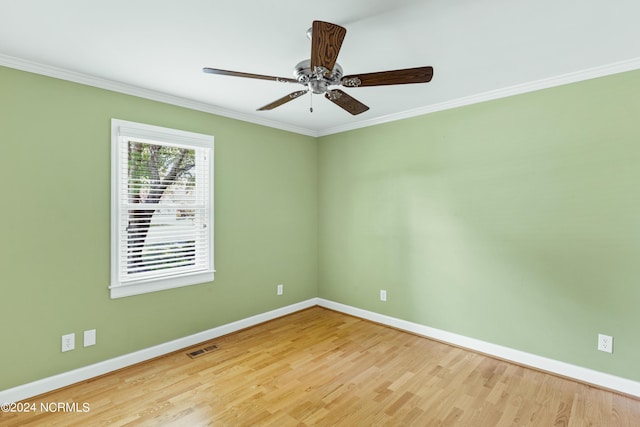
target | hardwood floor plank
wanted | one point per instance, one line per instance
(318, 367)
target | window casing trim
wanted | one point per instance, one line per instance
(154, 134)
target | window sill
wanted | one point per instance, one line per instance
(126, 290)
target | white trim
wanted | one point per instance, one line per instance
(546, 83)
(64, 379)
(127, 89)
(579, 373)
(573, 77)
(160, 284)
(202, 271)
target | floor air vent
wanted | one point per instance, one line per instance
(202, 351)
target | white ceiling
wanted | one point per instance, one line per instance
(478, 48)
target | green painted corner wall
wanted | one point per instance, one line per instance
(54, 226)
(515, 221)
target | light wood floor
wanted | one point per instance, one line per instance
(322, 368)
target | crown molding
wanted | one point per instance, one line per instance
(127, 89)
(76, 77)
(573, 77)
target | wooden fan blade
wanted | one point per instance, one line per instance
(283, 100)
(396, 77)
(348, 103)
(247, 75)
(326, 41)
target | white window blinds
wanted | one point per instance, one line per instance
(163, 235)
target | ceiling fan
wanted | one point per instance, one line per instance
(319, 73)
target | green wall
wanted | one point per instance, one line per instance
(515, 221)
(54, 226)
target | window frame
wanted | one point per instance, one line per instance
(122, 132)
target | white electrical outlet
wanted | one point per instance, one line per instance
(383, 295)
(280, 289)
(68, 342)
(89, 337)
(605, 343)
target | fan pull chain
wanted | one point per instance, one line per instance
(311, 103)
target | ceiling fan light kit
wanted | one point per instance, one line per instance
(319, 73)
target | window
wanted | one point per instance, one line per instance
(161, 208)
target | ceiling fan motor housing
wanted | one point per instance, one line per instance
(317, 80)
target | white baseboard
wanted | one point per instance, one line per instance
(578, 373)
(600, 379)
(64, 379)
